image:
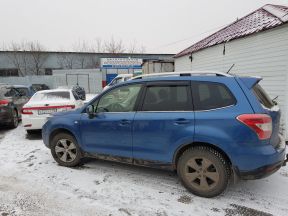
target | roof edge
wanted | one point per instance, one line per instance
(283, 17)
(280, 14)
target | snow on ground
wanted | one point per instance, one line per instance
(31, 183)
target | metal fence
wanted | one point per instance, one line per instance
(91, 82)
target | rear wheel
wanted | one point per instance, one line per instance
(203, 171)
(15, 120)
(65, 150)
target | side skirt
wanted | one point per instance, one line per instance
(128, 160)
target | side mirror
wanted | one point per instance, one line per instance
(90, 111)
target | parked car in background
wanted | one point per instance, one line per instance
(208, 126)
(46, 102)
(40, 87)
(26, 91)
(11, 103)
(118, 79)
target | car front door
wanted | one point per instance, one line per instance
(165, 121)
(109, 132)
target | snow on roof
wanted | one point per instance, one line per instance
(267, 17)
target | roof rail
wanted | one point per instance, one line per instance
(182, 73)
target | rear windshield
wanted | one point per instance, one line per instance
(262, 96)
(51, 96)
(3, 91)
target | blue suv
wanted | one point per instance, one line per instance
(209, 127)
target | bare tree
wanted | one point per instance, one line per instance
(112, 46)
(99, 46)
(82, 47)
(66, 60)
(133, 48)
(35, 55)
(18, 57)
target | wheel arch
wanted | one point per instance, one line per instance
(61, 130)
(183, 148)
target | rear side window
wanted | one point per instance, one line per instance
(262, 96)
(210, 95)
(167, 98)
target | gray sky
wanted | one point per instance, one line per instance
(151, 23)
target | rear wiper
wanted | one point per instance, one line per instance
(274, 100)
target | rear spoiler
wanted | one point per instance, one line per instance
(250, 81)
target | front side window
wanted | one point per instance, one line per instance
(167, 98)
(209, 95)
(122, 99)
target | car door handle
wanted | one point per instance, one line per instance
(124, 122)
(181, 121)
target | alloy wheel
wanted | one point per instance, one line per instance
(201, 173)
(66, 150)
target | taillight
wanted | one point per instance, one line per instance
(26, 111)
(261, 124)
(4, 102)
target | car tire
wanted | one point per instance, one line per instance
(65, 150)
(204, 171)
(14, 119)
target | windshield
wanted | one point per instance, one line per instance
(52, 96)
(23, 91)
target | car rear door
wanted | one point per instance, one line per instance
(164, 120)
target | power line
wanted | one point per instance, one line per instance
(188, 38)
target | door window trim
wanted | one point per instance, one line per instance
(97, 99)
(165, 83)
(212, 109)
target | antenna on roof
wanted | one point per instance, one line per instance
(230, 68)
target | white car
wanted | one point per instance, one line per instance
(43, 103)
(119, 78)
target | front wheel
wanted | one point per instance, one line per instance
(203, 171)
(65, 150)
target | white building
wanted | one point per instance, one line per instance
(256, 44)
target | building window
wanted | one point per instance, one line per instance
(8, 72)
(48, 71)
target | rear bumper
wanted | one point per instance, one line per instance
(5, 117)
(32, 123)
(259, 173)
(266, 165)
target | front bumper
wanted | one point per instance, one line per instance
(45, 136)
